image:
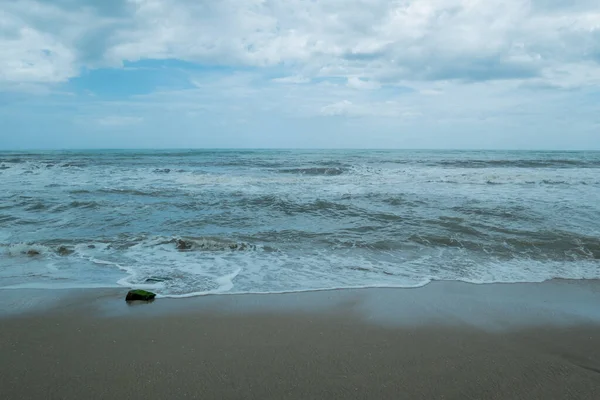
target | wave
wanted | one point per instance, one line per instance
(65, 247)
(504, 212)
(39, 250)
(210, 244)
(541, 246)
(180, 243)
(91, 205)
(136, 192)
(84, 204)
(187, 266)
(532, 163)
(74, 164)
(12, 161)
(7, 218)
(286, 206)
(27, 249)
(246, 280)
(293, 221)
(37, 207)
(522, 180)
(250, 163)
(314, 171)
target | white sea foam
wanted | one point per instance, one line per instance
(263, 272)
(25, 249)
(218, 272)
(268, 222)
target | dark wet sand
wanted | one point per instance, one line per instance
(329, 345)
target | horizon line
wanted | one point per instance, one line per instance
(108, 149)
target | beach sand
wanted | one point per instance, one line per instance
(444, 341)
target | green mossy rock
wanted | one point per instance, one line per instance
(140, 295)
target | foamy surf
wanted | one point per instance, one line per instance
(223, 222)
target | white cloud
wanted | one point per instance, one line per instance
(377, 40)
(431, 92)
(388, 109)
(509, 68)
(31, 56)
(242, 110)
(294, 79)
(357, 83)
(343, 107)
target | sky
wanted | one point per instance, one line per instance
(459, 74)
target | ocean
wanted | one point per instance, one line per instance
(192, 222)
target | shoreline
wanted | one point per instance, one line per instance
(551, 301)
(445, 340)
(116, 285)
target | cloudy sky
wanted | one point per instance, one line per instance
(300, 73)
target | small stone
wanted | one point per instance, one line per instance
(156, 279)
(140, 295)
(183, 245)
(63, 251)
(91, 246)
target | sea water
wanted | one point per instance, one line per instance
(188, 222)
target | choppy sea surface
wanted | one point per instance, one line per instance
(195, 222)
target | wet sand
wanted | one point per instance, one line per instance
(444, 341)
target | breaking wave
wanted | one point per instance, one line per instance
(204, 222)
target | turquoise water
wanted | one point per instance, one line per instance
(225, 221)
